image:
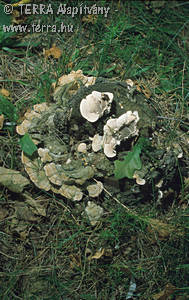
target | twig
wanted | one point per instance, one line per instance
(123, 205)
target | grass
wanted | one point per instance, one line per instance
(49, 257)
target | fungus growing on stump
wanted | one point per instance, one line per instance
(94, 212)
(95, 189)
(115, 131)
(95, 104)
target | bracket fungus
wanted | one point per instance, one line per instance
(30, 116)
(95, 104)
(56, 166)
(95, 189)
(116, 130)
(108, 113)
(35, 172)
(82, 148)
(94, 212)
(97, 142)
(44, 154)
(76, 76)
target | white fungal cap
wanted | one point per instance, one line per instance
(114, 131)
(117, 123)
(82, 147)
(139, 180)
(127, 118)
(97, 142)
(109, 149)
(94, 105)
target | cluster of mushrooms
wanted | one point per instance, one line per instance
(45, 169)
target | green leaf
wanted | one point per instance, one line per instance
(8, 109)
(142, 70)
(131, 162)
(109, 69)
(27, 145)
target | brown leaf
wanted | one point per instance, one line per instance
(23, 212)
(2, 118)
(17, 17)
(75, 261)
(23, 235)
(37, 206)
(162, 229)
(13, 180)
(89, 19)
(4, 92)
(143, 89)
(54, 51)
(98, 254)
(3, 213)
(164, 295)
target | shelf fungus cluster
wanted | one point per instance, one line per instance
(66, 161)
(55, 166)
(64, 179)
(116, 130)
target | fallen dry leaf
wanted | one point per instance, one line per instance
(37, 206)
(2, 118)
(163, 230)
(143, 89)
(17, 17)
(23, 235)
(164, 295)
(4, 92)
(99, 253)
(54, 51)
(89, 19)
(24, 212)
(21, 2)
(13, 180)
(75, 261)
(3, 213)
